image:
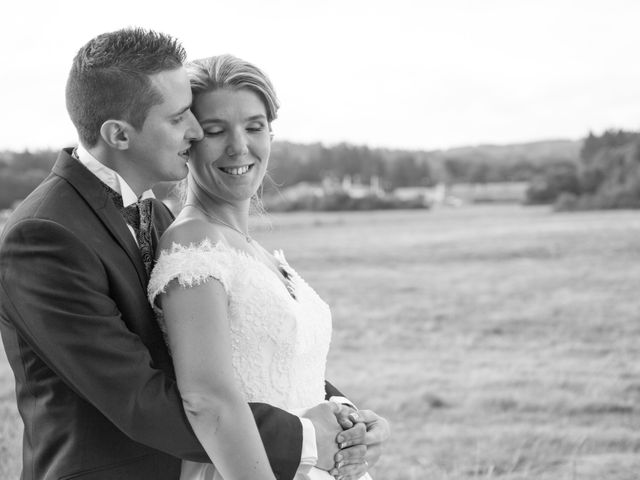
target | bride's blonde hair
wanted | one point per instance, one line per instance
(227, 71)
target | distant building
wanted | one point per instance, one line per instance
(428, 195)
(303, 189)
(506, 192)
(356, 189)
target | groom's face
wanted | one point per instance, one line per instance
(161, 147)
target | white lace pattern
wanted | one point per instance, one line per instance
(279, 343)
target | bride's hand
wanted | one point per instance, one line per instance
(343, 415)
(361, 445)
(378, 432)
(351, 461)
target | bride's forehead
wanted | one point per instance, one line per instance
(242, 103)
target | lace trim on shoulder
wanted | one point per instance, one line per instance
(192, 265)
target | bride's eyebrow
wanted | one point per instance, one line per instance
(260, 116)
(252, 118)
(207, 121)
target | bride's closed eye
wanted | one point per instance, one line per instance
(255, 127)
(210, 132)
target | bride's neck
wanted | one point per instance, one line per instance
(235, 214)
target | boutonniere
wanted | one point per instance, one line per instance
(287, 272)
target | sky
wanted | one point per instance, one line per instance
(419, 74)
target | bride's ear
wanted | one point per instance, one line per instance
(116, 134)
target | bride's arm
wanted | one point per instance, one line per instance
(198, 330)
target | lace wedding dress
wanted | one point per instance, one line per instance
(280, 333)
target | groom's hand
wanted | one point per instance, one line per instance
(323, 417)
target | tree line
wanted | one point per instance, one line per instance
(606, 175)
(292, 163)
(21, 172)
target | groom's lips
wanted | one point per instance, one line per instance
(185, 154)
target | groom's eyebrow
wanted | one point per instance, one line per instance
(180, 112)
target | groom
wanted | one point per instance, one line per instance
(94, 381)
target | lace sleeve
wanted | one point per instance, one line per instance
(191, 266)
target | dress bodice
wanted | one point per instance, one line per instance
(279, 343)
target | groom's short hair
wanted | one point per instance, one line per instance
(109, 78)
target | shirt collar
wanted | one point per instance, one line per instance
(110, 177)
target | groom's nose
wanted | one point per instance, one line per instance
(194, 131)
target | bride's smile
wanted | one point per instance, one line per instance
(236, 170)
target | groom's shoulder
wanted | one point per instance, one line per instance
(54, 200)
(49, 200)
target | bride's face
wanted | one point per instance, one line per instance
(231, 161)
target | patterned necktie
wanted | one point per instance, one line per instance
(138, 215)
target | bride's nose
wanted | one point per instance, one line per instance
(237, 145)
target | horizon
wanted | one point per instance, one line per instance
(358, 145)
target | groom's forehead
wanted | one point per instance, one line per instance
(174, 89)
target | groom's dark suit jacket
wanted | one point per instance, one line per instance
(94, 381)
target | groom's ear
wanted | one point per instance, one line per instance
(116, 134)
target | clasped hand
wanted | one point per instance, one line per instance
(350, 443)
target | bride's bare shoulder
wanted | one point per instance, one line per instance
(189, 230)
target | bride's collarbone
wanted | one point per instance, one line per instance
(257, 252)
(252, 249)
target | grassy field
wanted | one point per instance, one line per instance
(500, 342)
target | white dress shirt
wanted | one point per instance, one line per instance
(112, 179)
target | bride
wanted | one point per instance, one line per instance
(241, 324)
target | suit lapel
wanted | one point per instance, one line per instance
(90, 188)
(161, 218)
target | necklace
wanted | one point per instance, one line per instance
(220, 221)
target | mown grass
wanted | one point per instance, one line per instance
(500, 342)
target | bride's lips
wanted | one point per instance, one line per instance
(237, 171)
